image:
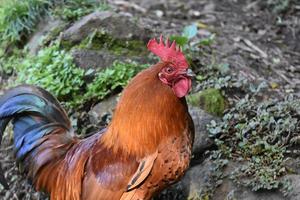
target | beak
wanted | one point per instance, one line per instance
(190, 73)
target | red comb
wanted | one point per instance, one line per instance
(168, 53)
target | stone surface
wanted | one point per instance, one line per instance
(199, 176)
(88, 59)
(190, 184)
(201, 119)
(102, 110)
(44, 28)
(114, 29)
(153, 5)
(295, 183)
(116, 25)
(228, 190)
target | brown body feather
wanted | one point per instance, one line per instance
(146, 147)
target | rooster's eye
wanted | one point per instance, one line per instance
(169, 70)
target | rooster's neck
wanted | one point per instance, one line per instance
(148, 113)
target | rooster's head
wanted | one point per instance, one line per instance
(175, 71)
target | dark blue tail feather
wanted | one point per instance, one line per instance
(35, 113)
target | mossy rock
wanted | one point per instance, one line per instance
(101, 40)
(211, 100)
(100, 50)
(107, 28)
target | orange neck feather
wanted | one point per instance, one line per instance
(147, 113)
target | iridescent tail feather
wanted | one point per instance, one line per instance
(34, 113)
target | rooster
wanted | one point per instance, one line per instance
(146, 147)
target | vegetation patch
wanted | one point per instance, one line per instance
(279, 6)
(53, 69)
(111, 79)
(71, 10)
(8, 63)
(259, 136)
(19, 18)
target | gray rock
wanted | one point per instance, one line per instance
(94, 59)
(190, 185)
(153, 5)
(199, 178)
(87, 59)
(230, 191)
(117, 26)
(201, 119)
(292, 164)
(102, 109)
(45, 27)
(196, 177)
(295, 184)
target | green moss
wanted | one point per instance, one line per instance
(211, 100)
(65, 44)
(193, 99)
(101, 40)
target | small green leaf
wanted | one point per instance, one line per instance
(89, 72)
(200, 77)
(207, 41)
(180, 40)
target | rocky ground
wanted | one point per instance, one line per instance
(253, 38)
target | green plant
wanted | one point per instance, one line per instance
(19, 18)
(207, 41)
(112, 78)
(54, 70)
(216, 75)
(71, 10)
(188, 33)
(258, 135)
(278, 6)
(7, 64)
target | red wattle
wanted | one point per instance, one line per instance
(182, 87)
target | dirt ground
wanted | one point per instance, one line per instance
(255, 39)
